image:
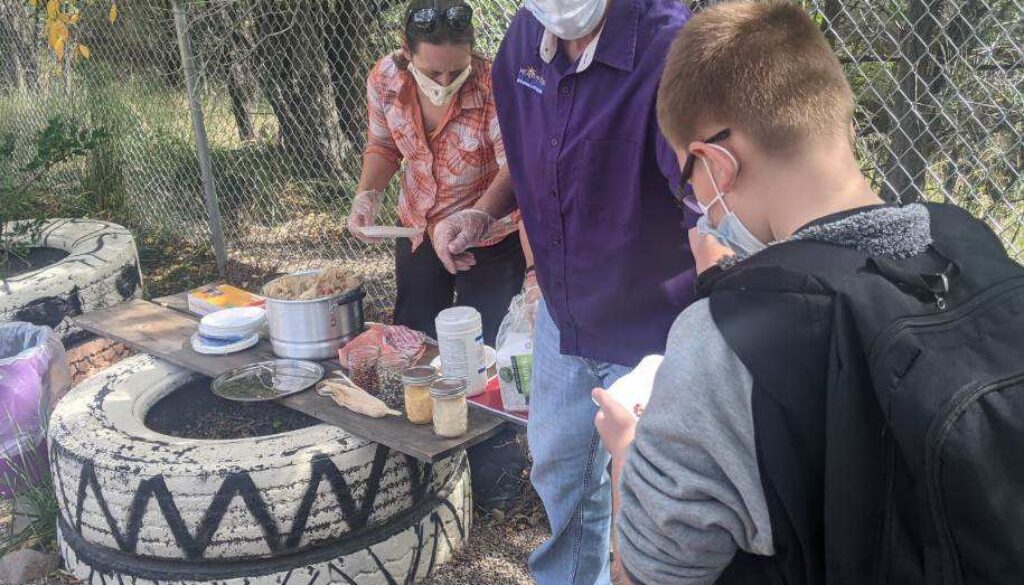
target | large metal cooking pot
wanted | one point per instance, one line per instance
(315, 329)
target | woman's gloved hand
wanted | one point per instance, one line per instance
(459, 232)
(365, 208)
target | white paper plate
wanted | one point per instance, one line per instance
(390, 231)
(490, 357)
(233, 323)
(634, 389)
(208, 346)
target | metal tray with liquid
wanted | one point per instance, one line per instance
(268, 380)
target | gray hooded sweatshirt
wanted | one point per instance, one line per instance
(691, 489)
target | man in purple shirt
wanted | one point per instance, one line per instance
(575, 83)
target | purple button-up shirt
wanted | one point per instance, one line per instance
(594, 177)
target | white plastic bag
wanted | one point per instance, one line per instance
(515, 353)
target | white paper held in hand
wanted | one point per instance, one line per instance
(633, 391)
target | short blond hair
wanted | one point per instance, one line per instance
(762, 67)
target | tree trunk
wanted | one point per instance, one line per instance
(294, 75)
(927, 49)
(18, 24)
(241, 81)
(913, 140)
(352, 56)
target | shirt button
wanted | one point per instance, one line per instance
(554, 142)
(565, 90)
(557, 241)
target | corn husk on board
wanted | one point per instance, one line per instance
(356, 399)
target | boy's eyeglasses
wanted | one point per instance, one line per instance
(456, 18)
(685, 193)
(691, 159)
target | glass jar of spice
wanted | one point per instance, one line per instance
(390, 368)
(362, 368)
(451, 411)
(418, 406)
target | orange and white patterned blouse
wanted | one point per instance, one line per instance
(450, 169)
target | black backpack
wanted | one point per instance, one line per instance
(933, 347)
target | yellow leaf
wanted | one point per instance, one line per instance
(58, 35)
(33, 3)
(58, 47)
(76, 17)
(52, 6)
(51, 34)
(84, 51)
(113, 12)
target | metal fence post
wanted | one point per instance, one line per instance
(199, 128)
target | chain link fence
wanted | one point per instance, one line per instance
(280, 86)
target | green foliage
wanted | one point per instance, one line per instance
(24, 200)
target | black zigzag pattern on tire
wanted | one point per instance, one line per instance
(241, 484)
(427, 520)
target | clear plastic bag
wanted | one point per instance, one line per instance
(515, 352)
(34, 375)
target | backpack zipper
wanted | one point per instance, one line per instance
(885, 339)
(937, 435)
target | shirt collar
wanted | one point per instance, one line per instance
(621, 28)
(549, 48)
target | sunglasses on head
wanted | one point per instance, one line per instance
(456, 18)
(685, 193)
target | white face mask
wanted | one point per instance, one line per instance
(438, 94)
(568, 19)
(730, 231)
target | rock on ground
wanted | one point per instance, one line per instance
(27, 565)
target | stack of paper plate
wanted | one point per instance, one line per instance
(211, 346)
(229, 330)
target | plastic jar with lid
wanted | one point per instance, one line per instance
(460, 337)
(419, 407)
(451, 409)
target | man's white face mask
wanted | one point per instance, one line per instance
(568, 19)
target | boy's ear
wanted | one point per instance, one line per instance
(723, 167)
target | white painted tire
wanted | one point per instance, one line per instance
(405, 550)
(101, 270)
(124, 487)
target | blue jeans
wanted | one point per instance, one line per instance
(570, 465)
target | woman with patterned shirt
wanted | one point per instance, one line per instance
(432, 117)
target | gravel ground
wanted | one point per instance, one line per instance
(498, 548)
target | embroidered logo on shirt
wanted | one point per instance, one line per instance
(529, 77)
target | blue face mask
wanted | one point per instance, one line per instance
(730, 231)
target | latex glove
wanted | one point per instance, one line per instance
(615, 424)
(531, 289)
(459, 232)
(365, 208)
(707, 250)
